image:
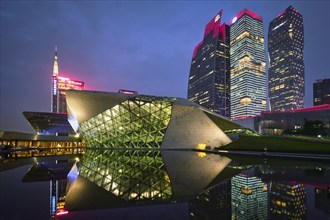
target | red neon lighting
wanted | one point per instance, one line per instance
(62, 213)
(213, 25)
(281, 13)
(245, 117)
(248, 12)
(65, 83)
(196, 49)
(308, 109)
(222, 30)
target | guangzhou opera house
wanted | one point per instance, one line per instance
(133, 121)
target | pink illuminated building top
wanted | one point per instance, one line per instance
(196, 48)
(243, 12)
(66, 84)
(283, 12)
(213, 25)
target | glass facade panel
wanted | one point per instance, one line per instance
(139, 122)
(129, 174)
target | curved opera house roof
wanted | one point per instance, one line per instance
(132, 121)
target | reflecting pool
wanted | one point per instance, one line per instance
(164, 184)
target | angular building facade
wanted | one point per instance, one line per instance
(286, 66)
(113, 120)
(248, 65)
(210, 69)
(321, 92)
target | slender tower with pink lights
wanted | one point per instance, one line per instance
(54, 84)
(60, 85)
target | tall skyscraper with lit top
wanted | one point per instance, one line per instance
(59, 87)
(286, 55)
(210, 69)
(248, 65)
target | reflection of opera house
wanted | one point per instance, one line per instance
(113, 120)
(117, 178)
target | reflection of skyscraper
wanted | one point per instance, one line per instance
(248, 198)
(287, 201)
(213, 203)
(286, 68)
(210, 69)
(322, 199)
(247, 62)
(59, 86)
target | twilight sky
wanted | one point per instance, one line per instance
(145, 46)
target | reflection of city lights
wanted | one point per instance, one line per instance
(62, 213)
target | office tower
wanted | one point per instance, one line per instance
(248, 198)
(287, 201)
(210, 69)
(248, 65)
(321, 92)
(286, 56)
(59, 87)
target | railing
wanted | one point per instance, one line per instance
(11, 153)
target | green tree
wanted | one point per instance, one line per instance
(314, 128)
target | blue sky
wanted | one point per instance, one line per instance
(145, 46)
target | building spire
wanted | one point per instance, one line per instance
(55, 68)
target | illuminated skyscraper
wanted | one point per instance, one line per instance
(248, 198)
(210, 69)
(59, 87)
(247, 63)
(321, 92)
(286, 66)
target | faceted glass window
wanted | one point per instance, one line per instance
(132, 175)
(140, 122)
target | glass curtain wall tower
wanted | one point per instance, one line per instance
(286, 61)
(210, 69)
(247, 60)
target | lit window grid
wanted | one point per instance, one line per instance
(288, 200)
(244, 85)
(286, 61)
(248, 78)
(135, 123)
(251, 206)
(128, 174)
(209, 76)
